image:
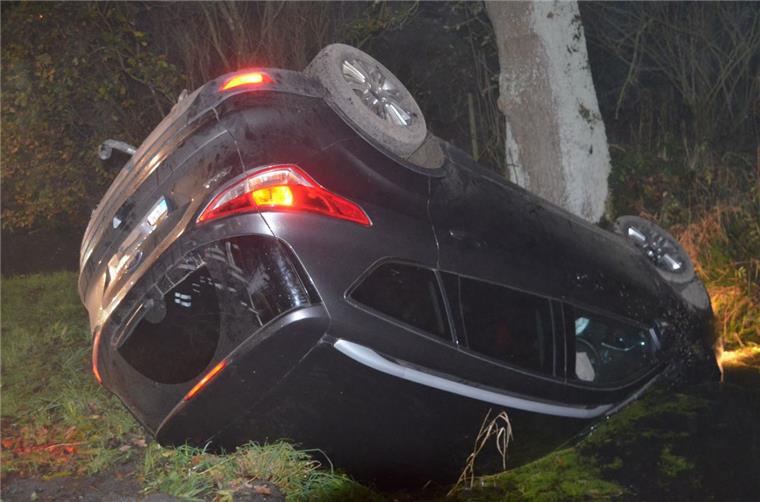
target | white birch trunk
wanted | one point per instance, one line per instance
(556, 145)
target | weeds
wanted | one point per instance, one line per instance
(499, 428)
(562, 475)
(192, 474)
(730, 267)
(715, 214)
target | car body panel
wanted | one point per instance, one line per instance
(384, 399)
(406, 434)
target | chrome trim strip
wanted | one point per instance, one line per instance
(368, 357)
(635, 395)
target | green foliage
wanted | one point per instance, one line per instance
(73, 74)
(674, 441)
(677, 441)
(646, 418)
(664, 186)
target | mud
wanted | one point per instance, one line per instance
(116, 486)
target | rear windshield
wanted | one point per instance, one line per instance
(216, 297)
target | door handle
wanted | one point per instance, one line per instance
(459, 234)
(466, 238)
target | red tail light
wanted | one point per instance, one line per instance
(95, 349)
(282, 188)
(206, 379)
(249, 79)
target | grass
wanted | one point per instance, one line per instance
(563, 475)
(55, 418)
(725, 246)
(672, 465)
(699, 442)
(192, 474)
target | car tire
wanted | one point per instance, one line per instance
(372, 100)
(662, 249)
(684, 280)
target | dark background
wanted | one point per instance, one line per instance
(677, 84)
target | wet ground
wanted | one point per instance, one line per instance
(116, 485)
(119, 485)
(691, 442)
(679, 442)
(697, 443)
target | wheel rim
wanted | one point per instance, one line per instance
(658, 249)
(376, 91)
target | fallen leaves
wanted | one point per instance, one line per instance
(138, 442)
(262, 489)
(40, 448)
(53, 448)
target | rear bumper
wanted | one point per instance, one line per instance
(252, 372)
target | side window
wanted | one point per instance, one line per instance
(608, 350)
(508, 325)
(407, 293)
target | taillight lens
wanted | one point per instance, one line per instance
(95, 350)
(206, 379)
(246, 79)
(282, 188)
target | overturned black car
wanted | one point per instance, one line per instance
(293, 256)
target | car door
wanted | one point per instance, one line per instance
(493, 230)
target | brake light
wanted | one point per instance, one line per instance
(282, 188)
(95, 349)
(249, 78)
(206, 379)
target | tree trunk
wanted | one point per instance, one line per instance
(556, 145)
